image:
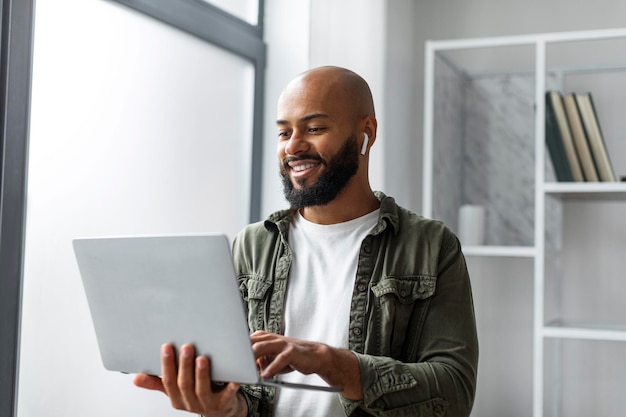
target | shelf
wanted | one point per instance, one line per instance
(502, 251)
(475, 141)
(585, 332)
(587, 191)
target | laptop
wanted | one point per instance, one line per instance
(144, 291)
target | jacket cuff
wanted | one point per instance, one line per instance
(252, 394)
(380, 376)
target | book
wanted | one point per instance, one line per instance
(559, 140)
(580, 138)
(592, 129)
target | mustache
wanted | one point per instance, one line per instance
(310, 157)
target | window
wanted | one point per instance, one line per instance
(236, 43)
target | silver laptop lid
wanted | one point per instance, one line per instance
(149, 290)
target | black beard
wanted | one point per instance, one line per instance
(338, 172)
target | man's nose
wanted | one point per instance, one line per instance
(296, 144)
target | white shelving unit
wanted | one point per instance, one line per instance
(544, 188)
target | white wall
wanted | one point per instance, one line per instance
(403, 131)
(287, 36)
(136, 128)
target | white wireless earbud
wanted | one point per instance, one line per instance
(364, 147)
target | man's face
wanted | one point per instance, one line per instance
(318, 152)
(333, 177)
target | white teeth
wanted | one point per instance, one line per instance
(302, 167)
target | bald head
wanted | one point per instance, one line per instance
(333, 85)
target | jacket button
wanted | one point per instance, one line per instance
(438, 408)
(361, 287)
(357, 331)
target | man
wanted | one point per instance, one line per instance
(345, 286)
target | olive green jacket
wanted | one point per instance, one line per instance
(412, 324)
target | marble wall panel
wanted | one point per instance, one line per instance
(484, 154)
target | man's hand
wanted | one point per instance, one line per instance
(189, 385)
(277, 354)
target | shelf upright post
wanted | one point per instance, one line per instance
(428, 148)
(539, 261)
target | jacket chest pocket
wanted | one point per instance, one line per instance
(401, 303)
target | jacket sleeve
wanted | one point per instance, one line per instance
(442, 380)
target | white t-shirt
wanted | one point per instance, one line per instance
(318, 298)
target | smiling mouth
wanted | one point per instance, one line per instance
(301, 171)
(302, 167)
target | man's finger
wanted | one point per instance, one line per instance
(208, 395)
(187, 377)
(170, 376)
(203, 379)
(280, 364)
(150, 382)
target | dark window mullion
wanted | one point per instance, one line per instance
(16, 46)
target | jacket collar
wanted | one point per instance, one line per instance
(389, 215)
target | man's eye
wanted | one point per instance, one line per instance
(316, 129)
(283, 135)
